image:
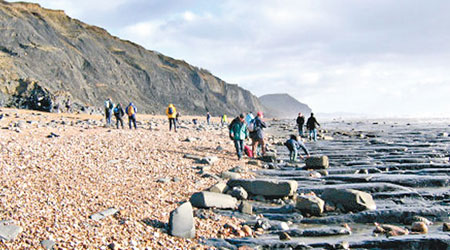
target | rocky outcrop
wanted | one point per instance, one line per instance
(50, 62)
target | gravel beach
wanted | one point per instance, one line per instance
(59, 170)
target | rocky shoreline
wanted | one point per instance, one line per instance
(70, 183)
(386, 188)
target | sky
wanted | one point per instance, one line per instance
(376, 57)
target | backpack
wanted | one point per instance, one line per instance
(252, 125)
(116, 111)
(248, 151)
(130, 110)
(232, 123)
(170, 111)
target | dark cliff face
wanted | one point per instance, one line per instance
(47, 58)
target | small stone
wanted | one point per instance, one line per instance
(113, 246)
(239, 193)
(247, 230)
(163, 180)
(48, 244)
(285, 236)
(342, 245)
(419, 227)
(9, 231)
(246, 207)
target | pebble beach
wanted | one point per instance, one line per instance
(60, 169)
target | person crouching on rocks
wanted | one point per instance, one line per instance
(131, 112)
(171, 113)
(294, 145)
(119, 113)
(238, 132)
(256, 133)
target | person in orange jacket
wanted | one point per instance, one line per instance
(171, 113)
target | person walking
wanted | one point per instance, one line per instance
(238, 133)
(119, 113)
(108, 111)
(311, 126)
(208, 117)
(171, 113)
(256, 127)
(300, 123)
(294, 145)
(224, 120)
(131, 112)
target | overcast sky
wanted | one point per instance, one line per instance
(381, 57)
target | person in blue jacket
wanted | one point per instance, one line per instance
(294, 146)
(239, 132)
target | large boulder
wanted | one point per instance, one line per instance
(310, 204)
(213, 200)
(349, 199)
(317, 162)
(266, 187)
(181, 221)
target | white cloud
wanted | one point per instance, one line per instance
(350, 55)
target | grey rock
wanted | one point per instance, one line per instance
(220, 187)
(317, 162)
(210, 160)
(8, 230)
(310, 204)
(48, 244)
(230, 175)
(239, 193)
(103, 214)
(213, 200)
(238, 169)
(266, 187)
(181, 221)
(192, 157)
(350, 199)
(163, 180)
(246, 207)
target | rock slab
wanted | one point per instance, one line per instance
(350, 199)
(213, 200)
(181, 221)
(266, 187)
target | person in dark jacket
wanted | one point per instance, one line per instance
(239, 132)
(294, 145)
(300, 123)
(257, 134)
(311, 126)
(208, 117)
(131, 112)
(119, 113)
(108, 111)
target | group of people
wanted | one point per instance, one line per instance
(243, 127)
(131, 110)
(119, 112)
(310, 125)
